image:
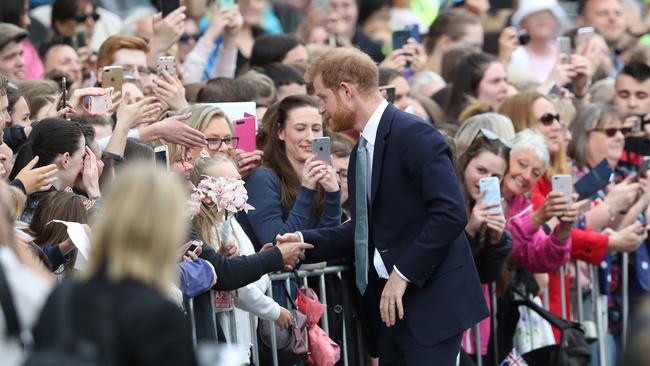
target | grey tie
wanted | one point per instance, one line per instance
(361, 219)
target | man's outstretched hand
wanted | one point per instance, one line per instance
(292, 249)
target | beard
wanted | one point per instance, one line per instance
(343, 119)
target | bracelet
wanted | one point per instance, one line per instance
(581, 96)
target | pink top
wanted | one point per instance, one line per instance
(532, 248)
(34, 69)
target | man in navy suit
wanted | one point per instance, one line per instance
(412, 260)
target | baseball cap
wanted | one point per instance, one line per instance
(10, 32)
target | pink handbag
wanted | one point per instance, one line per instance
(323, 351)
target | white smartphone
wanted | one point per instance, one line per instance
(583, 36)
(492, 189)
(322, 147)
(99, 103)
(563, 183)
(161, 154)
(167, 63)
(564, 47)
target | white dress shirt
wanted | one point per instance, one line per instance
(370, 134)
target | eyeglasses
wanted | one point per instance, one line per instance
(548, 118)
(611, 132)
(488, 134)
(131, 70)
(80, 18)
(185, 38)
(343, 174)
(214, 143)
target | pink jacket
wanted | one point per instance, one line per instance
(532, 248)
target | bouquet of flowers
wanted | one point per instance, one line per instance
(220, 199)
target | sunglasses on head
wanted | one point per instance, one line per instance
(548, 118)
(488, 134)
(80, 18)
(611, 132)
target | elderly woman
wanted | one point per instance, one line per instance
(533, 248)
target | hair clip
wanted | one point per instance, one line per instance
(205, 153)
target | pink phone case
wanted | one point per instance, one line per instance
(245, 130)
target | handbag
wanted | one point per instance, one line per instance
(572, 349)
(292, 344)
(323, 351)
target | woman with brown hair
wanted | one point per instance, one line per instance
(53, 237)
(292, 190)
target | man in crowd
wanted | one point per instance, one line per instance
(632, 99)
(12, 63)
(58, 54)
(409, 253)
(606, 16)
(130, 53)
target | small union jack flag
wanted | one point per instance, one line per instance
(514, 359)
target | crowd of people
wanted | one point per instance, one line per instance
(451, 128)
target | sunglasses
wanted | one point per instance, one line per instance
(611, 132)
(185, 38)
(548, 118)
(80, 18)
(488, 134)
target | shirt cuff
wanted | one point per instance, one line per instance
(302, 239)
(401, 275)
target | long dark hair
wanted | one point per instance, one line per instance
(275, 153)
(479, 145)
(49, 138)
(469, 76)
(272, 48)
(12, 12)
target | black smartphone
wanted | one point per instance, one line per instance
(64, 92)
(194, 244)
(80, 38)
(523, 37)
(400, 38)
(388, 91)
(597, 179)
(167, 6)
(645, 165)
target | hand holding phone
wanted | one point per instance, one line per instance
(322, 147)
(98, 104)
(167, 63)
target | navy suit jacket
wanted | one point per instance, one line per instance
(416, 221)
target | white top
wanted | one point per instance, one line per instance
(28, 292)
(370, 134)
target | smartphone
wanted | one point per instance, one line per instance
(564, 47)
(245, 130)
(226, 4)
(113, 76)
(322, 147)
(415, 33)
(168, 6)
(555, 91)
(583, 36)
(194, 244)
(80, 38)
(645, 165)
(492, 190)
(161, 154)
(592, 182)
(563, 183)
(99, 103)
(400, 38)
(388, 92)
(523, 37)
(64, 91)
(167, 63)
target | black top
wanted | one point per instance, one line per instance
(146, 327)
(367, 45)
(490, 258)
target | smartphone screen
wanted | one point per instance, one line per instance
(563, 183)
(492, 191)
(322, 146)
(162, 158)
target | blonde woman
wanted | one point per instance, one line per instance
(220, 136)
(124, 292)
(250, 298)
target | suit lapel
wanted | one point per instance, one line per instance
(380, 144)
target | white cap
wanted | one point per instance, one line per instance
(528, 7)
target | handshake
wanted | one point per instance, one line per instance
(291, 248)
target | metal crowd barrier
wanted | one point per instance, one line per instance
(598, 302)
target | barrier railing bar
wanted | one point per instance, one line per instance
(546, 301)
(345, 330)
(190, 312)
(579, 293)
(625, 302)
(256, 351)
(601, 334)
(310, 273)
(274, 345)
(563, 292)
(495, 343)
(323, 299)
(477, 344)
